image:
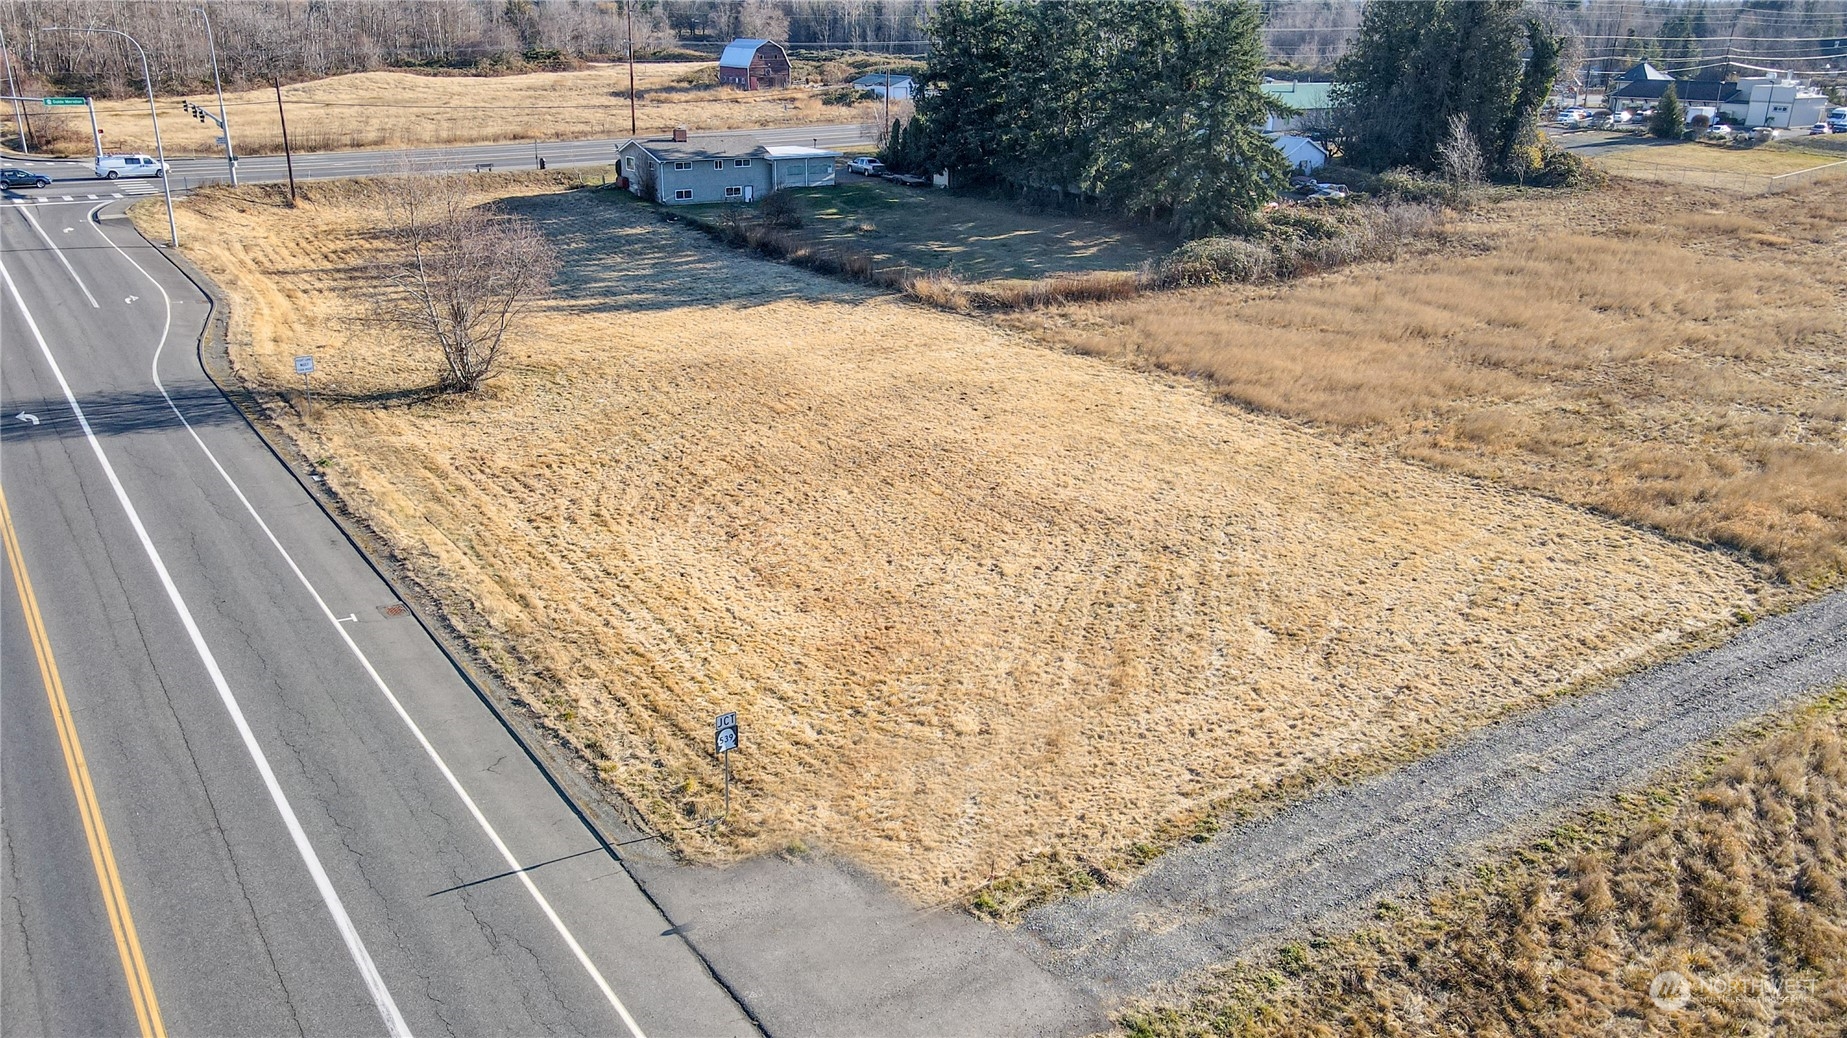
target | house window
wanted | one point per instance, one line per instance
(734, 192)
(741, 162)
(718, 163)
(682, 165)
(628, 162)
(683, 195)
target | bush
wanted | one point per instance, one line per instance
(1210, 261)
(847, 96)
(1561, 168)
(781, 209)
(1292, 242)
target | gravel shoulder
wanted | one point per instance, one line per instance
(1340, 851)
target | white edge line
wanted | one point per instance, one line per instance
(55, 251)
(388, 1009)
(500, 845)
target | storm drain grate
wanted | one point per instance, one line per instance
(395, 609)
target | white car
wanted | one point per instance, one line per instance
(866, 167)
(109, 167)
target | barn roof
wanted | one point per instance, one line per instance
(739, 53)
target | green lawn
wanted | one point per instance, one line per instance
(977, 238)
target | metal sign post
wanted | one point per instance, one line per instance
(304, 366)
(725, 738)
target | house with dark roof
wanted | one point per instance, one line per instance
(718, 167)
(1644, 85)
(753, 65)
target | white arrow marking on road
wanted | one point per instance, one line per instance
(68, 230)
(354, 618)
(131, 299)
(24, 417)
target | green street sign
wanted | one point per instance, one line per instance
(54, 102)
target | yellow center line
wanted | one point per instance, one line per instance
(128, 946)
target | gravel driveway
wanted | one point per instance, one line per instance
(1346, 848)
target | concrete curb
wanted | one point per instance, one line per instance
(590, 804)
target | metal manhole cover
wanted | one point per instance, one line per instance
(393, 610)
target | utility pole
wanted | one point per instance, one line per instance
(230, 157)
(12, 87)
(160, 150)
(628, 11)
(288, 156)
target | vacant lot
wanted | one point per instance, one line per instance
(1676, 359)
(1734, 881)
(975, 238)
(1699, 164)
(975, 602)
(401, 109)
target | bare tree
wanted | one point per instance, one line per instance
(458, 275)
(1463, 164)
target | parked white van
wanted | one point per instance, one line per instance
(110, 167)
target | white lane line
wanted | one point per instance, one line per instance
(33, 220)
(387, 1009)
(378, 680)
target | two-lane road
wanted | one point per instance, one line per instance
(309, 819)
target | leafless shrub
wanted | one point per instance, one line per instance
(1460, 156)
(458, 275)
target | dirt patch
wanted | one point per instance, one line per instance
(1675, 358)
(975, 602)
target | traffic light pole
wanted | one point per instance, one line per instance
(160, 150)
(230, 157)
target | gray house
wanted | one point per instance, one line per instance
(902, 87)
(719, 167)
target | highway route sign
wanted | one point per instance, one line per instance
(725, 732)
(304, 365)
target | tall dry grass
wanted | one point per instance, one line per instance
(402, 109)
(1682, 364)
(1737, 885)
(975, 603)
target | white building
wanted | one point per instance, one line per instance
(1303, 154)
(1775, 99)
(901, 87)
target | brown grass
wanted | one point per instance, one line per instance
(974, 602)
(1737, 883)
(1682, 365)
(401, 109)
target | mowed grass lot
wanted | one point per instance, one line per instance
(403, 109)
(977, 239)
(1674, 358)
(976, 603)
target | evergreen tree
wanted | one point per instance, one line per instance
(1670, 119)
(1416, 64)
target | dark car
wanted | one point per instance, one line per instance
(23, 178)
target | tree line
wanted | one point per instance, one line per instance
(1150, 108)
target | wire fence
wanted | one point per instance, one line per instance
(1730, 180)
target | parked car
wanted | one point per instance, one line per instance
(1305, 182)
(1719, 133)
(1837, 125)
(866, 167)
(906, 179)
(1819, 130)
(23, 178)
(109, 167)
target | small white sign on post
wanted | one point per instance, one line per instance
(725, 739)
(303, 367)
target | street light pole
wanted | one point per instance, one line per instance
(160, 151)
(230, 157)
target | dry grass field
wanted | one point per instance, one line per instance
(1734, 881)
(1673, 358)
(402, 109)
(976, 602)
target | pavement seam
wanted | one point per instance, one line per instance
(212, 354)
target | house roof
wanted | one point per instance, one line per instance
(873, 79)
(710, 146)
(1695, 91)
(1304, 96)
(1643, 72)
(739, 53)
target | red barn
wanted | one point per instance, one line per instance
(753, 65)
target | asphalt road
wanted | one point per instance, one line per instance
(190, 172)
(312, 823)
